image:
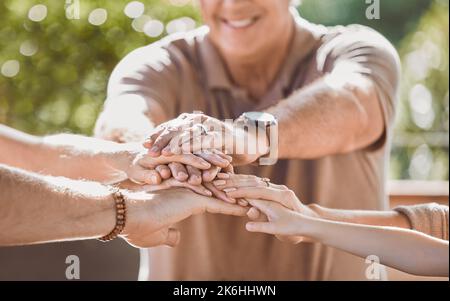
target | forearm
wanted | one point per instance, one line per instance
(406, 250)
(66, 155)
(36, 209)
(79, 157)
(19, 149)
(322, 120)
(365, 217)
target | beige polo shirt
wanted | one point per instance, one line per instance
(184, 72)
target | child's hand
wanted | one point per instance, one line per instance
(281, 221)
(252, 187)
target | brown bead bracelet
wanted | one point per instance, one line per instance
(121, 210)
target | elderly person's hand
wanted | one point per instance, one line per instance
(174, 133)
(252, 188)
(198, 132)
(151, 216)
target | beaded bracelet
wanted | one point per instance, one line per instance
(119, 201)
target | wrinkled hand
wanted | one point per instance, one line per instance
(196, 133)
(251, 187)
(151, 215)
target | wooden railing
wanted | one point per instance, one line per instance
(417, 192)
(412, 193)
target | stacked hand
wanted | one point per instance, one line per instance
(191, 153)
(151, 216)
(196, 133)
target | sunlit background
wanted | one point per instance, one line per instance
(56, 56)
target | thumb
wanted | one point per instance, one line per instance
(144, 176)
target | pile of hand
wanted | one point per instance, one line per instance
(190, 152)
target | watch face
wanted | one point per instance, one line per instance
(260, 116)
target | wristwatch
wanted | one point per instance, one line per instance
(265, 124)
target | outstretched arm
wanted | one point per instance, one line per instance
(406, 250)
(38, 209)
(80, 157)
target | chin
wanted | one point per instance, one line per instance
(239, 53)
(238, 48)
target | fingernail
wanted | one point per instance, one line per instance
(223, 176)
(205, 164)
(227, 190)
(219, 182)
(182, 174)
(154, 179)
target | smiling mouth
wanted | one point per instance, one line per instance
(241, 23)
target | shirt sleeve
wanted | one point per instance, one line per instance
(150, 72)
(360, 50)
(431, 219)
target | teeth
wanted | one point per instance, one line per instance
(240, 23)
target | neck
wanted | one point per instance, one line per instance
(257, 72)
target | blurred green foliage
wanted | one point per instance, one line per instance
(55, 70)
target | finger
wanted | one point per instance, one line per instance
(219, 207)
(266, 227)
(178, 171)
(145, 176)
(239, 182)
(223, 176)
(222, 155)
(164, 171)
(265, 207)
(152, 137)
(187, 159)
(200, 189)
(218, 194)
(174, 146)
(195, 175)
(284, 197)
(210, 174)
(214, 159)
(229, 169)
(242, 202)
(193, 145)
(161, 142)
(191, 159)
(253, 214)
(212, 140)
